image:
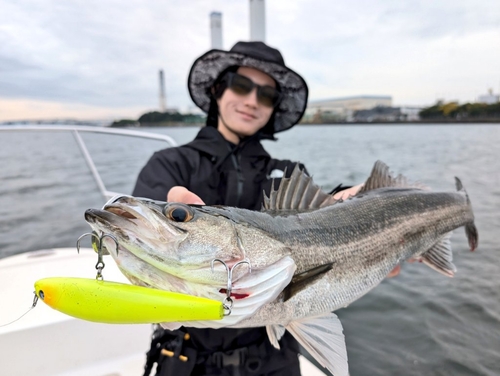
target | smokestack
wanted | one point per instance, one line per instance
(216, 29)
(163, 104)
(258, 20)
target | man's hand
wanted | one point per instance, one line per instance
(346, 193)
(394, 272)
(182, 194)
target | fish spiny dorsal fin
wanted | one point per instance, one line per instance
(381, 177)
(298, 192)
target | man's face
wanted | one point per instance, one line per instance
(242, 115)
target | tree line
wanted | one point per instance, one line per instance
(455, 111)
(156, 118)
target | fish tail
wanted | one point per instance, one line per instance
(470, 227)
(472, 235)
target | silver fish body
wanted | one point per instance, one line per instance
(308, 254)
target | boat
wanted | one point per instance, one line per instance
(37, 340)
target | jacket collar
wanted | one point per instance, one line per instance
(210, 141)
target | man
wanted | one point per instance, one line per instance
(249, 94)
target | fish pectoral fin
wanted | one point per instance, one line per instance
(440, 257)
(323, 338)
(304, 279)
(275, 332)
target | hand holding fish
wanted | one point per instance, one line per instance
(182, 194)
(346, 193)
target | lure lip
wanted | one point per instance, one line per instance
(120, 303)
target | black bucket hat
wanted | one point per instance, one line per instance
(207, 68)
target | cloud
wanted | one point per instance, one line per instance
(107, 54)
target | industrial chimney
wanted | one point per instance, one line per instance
(163, 104)
(216, 29)
(258, 20)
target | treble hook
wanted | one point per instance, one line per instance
(228, 301)
(97, 243)
(99, 266)
(94, 237)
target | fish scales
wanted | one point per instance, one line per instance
(308, 253)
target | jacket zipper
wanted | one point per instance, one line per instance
(239, 187)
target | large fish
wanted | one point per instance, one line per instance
(290, 265)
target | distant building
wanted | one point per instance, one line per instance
(378, 114)
(258, 20)
(411, 113)
(489, 98)
(162, 96)
(342, 109)
(216, 30)
(387, 114)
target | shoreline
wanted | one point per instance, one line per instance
(181, 125)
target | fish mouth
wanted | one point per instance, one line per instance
(117, 209)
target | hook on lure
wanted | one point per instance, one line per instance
(97, 245)
(228, 301)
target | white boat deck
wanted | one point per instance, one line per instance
(46, 342)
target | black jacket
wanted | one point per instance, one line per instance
(217, 171)
(220, 174)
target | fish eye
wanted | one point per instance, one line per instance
(41, 295)
(179, 213)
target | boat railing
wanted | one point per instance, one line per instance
(77, 130)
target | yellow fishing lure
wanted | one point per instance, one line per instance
(119, 303)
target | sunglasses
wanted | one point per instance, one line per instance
(266, 95)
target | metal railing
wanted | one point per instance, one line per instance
(76, 130)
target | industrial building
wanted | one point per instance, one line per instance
(489, 98)
(342, 109)
(216, 30)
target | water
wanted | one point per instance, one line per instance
(419, 323)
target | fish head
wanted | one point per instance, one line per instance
(179, 239)
(198, 250)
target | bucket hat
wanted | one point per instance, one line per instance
(207, 68)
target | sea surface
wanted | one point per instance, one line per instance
(418, 323)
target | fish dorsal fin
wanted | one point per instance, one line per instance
(298, 192)
(323, 338)
(381, 177)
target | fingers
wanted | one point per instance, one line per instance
(346, 193)
(394, 272)
(182, 194)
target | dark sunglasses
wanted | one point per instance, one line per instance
(266, 95)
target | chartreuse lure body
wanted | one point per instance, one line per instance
(119, 303)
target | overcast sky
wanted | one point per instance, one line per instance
(100, 59)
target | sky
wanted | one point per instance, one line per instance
(88, 59)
